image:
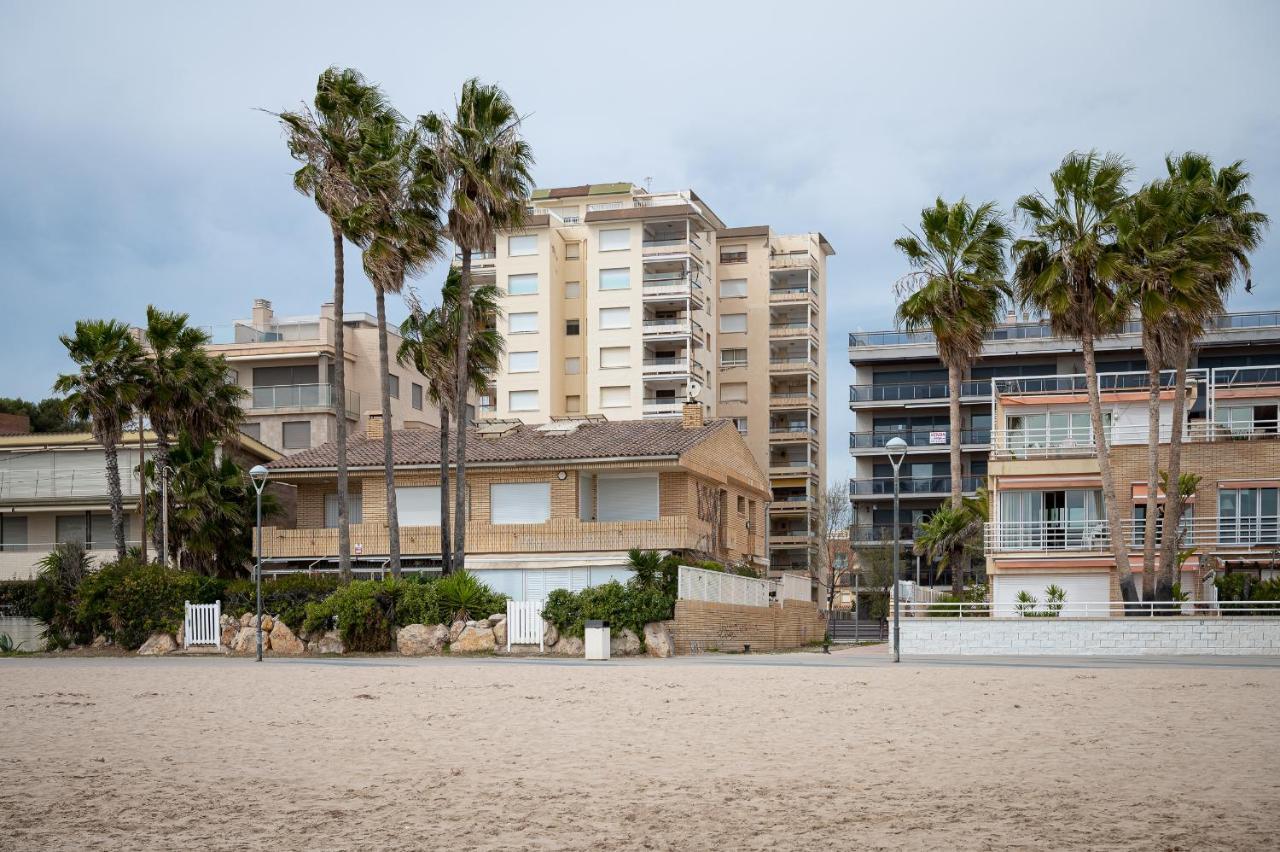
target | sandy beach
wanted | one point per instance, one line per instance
(770, 752)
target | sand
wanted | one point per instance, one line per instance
(793, 752)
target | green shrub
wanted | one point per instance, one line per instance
(286, 596)
(629, 606)
(975, 595)
(54, 597)
(127, 601)
(463, 597)
(17, 597)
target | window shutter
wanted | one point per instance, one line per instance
(522, 245)
(615, 239)
(418, 505)
(627, 498)
(520, 502)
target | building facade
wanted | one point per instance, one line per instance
(286, 366)
(900, 390)
(626, 303)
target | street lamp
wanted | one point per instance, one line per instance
(896, 448)
(259, 476)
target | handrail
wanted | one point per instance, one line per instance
(922, 437)
(910, 391)
(883, 485)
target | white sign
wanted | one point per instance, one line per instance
(937, 437)
(359, 549)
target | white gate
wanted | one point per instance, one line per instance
(200, 627)
(524, 623)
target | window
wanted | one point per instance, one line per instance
(90, 529)
(842, 561)
(572, 251)
(733, 392)
(612, 318)
(1140, 522)
(520, 246)
(522, 285)
(733, 253)
(394, 381)
(1248, 515)
(571, 327)
(618, 396)
(522, 323)
(733, 357)
(615, 239)
(13, 533)
(627, 498)
(418, 505)
(615, 279)
(415, 396)
(296, 434)
(522, 362)
(520, 502)
(740, 423)
(730, 323)
(355, 509)
(614, 357)
(253, 430)
(573, 404)
(572, 366)
(733, 288)
(572, 289)
(742, 505)
(522, 400)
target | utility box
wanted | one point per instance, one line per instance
(596, 641)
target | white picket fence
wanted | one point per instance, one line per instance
(524, 623)
(200, 625)
(698, 584)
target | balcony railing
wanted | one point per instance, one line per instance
(915, 391)
(1075, 383)
(677, 366)
(662, 406)
(274, 397)
(282, 332)
(792, 329)
(939, 439)
(680, 246)
(792, 433)
(1093, 536)
(801, 259)
(880, 533)
(66, 483)
(792, 503)
(914, 485)
(792, 399)
(677, 286)
(682, 326)
(789, 464)
(783, 365)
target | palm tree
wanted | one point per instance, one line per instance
(325, 141)
(429, 343)
(1065, 269)
(104, 391)
(485, 163)
(957, 290)
(950, 536)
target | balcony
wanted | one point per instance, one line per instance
(790, 538)
(937, 440)
(800, 259)
(1092, 536)
(664, 328)
(659, 287)
(63, 484)
(798, 329)
(792, 295)
(914, 486)
(792, 467)
(282, 397)
(791, 504)
(792, 434)
(662, 407)
(881, 533)
(677, 367)
(678, 248)
(792, 364)
(970, 391)
(307, 330)
(793, 399)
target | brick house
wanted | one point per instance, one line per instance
(552, 505)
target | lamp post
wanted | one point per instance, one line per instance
(896, 448)
(164, 514)
(259, 476)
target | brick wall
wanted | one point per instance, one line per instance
(1091, 636)
(727, 627)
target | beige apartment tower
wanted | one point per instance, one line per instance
(625, 303)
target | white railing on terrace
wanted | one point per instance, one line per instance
(1093, 535)
(1074, 383)
(670, 366)
(244, 332)
(1062, 440)
(655, 327)
(1090, 609)
(679, 245)
(697, 584)
(662, 409)
(606, 205)
(64, 483)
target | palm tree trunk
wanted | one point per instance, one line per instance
(460, 411)
(957, 480)
(163, 498)
(1173, 498)
(446, 551)
(1119, 547)
(388, 458)
(1153, 471)
(340, 404)
(116, 497)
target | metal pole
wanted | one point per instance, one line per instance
(897, 545)
(142, 488)
(258, 575)
(856, 577)
(164, 515)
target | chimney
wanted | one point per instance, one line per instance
(373, 425)
(691, 415)
(261, 313)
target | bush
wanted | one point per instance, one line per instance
(285, 597)
(127, 601)
(17, 597)
(975, 595)
(463, 597)
(631, 606)
(54, 596)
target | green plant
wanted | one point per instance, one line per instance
(463, 597)
(285, 597)
(127, 601)
(7, 646)
(54, 600)
(17, 597)
(1054, 597)
(630, 606)
(1026, 604)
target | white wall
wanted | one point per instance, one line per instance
(1108, 637)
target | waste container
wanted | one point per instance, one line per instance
(596, 642)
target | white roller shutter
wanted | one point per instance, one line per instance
(539, 582)
(520, 502)
(1080, 589)
(627, 498)
(418, 506)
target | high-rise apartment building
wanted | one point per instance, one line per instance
(625, 303)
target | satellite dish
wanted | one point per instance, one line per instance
(695, 388)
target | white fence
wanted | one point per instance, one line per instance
(796, 587)
(697, 584)
(1089, 609)
(200, 627)
(524, 623)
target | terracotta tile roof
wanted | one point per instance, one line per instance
(616, 439)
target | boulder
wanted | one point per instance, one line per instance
(658, 639)
(623, 643)
(329, 642)
(474, 639)
(181, 636)
(283, 641)
(418, 640)
(229, 633)
(500, 635)
(267, 623)
(101, 642)
(157, 644)
(455, 630)
(569, 646)
(246, 619)
(246, 641)
(497, 617)
(550, 636)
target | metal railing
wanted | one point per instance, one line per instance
(1093, 535)
(799, 259)
(42, 547)
(913, 391)
(914, 485)
(1089, 609)
(1066, 440)
(881, 533)
(803, 361)
(270, 397)
(939, 439)
(245, 332)
(64, 483)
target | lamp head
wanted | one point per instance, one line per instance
(258, 474)
(896, 448)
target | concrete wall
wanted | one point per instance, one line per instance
(727, 627)
(1070, 637)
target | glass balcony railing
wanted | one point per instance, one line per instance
(914, 485)
(272, 397)
(938, 438)
(912, 391)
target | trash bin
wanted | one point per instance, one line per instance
(597, 640)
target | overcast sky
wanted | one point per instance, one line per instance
(134, 169)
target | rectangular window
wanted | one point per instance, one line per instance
(522, 362)
(572, 289)
(571, 327)
(740, 423)
(733, 357)
(520, 502)
(615, 279)
(613, 357)
(522, 285)
(296, 434)
(13, 533)
(525, 244)
(618, 396)
(572, 366)
(733, 253)
(394, 381)
(731, 323)
(418, 505)
(253, 430)
(733, 288)
(615, 239)
(733, 392)
(1249, 516)
(614, 318)
(522, 400)
(69, 528)
(355, 509)
(522, 323)
(627, 497)
(415, 396)
(572, 251)
(573, 404)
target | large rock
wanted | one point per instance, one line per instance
(418, 640)
(100, 642)
(267, 623)
(658, 639)
(550, 636)
(246, 641)
(474, 639)
(157, 644)
(181, 636)
(455, 630)
(569, 646)
(497, 617)
(500, 635)
(329, 642)
(623, 643)
(246, 619)
(229, 633)
(284, 642)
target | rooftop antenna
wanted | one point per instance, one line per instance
(648, 184)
